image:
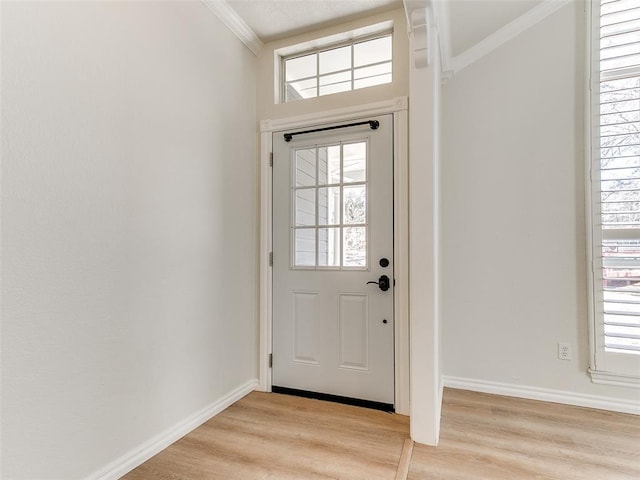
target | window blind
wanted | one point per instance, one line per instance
(619, 180)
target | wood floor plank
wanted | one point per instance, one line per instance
(405, 460)
(269, 436)
(483, 437)
(494, 438)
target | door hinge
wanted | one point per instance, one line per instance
(271, 159)
(271, 259)
(271, 360)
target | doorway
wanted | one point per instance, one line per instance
(398, 108)
(333, 322)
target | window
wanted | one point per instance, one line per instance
(329, 195)
(615, 173)
(338, 69)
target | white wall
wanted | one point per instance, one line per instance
(514, 261)
(128, 227)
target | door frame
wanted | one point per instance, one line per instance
(398, 107)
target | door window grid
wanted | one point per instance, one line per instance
(329, 198)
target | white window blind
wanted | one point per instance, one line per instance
(618, 253)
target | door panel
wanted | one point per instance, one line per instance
(306, 326)
(332, 223)
(353, 314)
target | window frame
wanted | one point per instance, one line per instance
(281, 77)
(606, 367)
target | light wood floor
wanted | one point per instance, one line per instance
(490, 437)
(269, 436)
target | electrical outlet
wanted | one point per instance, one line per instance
(564, 351)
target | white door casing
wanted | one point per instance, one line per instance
(399, 108)
(332, 223)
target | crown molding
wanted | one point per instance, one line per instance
(235, 23)
(506, 33)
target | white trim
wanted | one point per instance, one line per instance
(443, 26)
(148, 449)
(417, 25)
(424, 206)
(401, 258)
(1, 249)
(235, 23)
(506, 33)
(590, 108)
(338, 115)
(419, 29)
(544, 394)
(410, 6)
(397, 106)
(266, 272)
(608, 378)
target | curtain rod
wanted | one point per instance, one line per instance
(373, 124)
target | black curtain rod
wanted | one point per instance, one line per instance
(373, 124)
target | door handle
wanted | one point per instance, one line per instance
(383, 283)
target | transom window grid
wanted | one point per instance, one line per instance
(329, 201)
(617, 177)
(360, 64)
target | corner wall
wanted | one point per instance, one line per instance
(513, 216)
(128, 228)
(424, 226)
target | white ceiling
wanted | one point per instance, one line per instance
(470, 20)
(275, 19)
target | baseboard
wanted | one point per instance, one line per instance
(544, 394)
(144, 452)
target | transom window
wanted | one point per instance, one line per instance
(329, 197)
(340, 69)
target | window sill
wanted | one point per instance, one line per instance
(608, 378)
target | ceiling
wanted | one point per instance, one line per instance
(275, 19)
(470, 20)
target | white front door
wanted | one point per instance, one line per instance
(333, 332)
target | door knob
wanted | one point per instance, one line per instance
(383, 283)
